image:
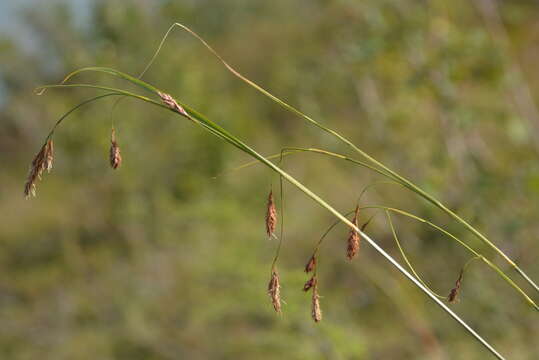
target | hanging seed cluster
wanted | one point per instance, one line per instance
(44, 158)
(312, 285)
(454, 294)
(114, 154)
(311, 264)
(353, 244)
(271, 216)
(41, 162)
(274, 291)
(316, 312)
(353, 238)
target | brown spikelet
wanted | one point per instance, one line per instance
(172, 104)
(353, 238)
(271, 215)
(309, 284)
(274, 291)
(42, 161)
(316, 312)
(49, 155)
(115, 156)
(453, 295)
(311, 265)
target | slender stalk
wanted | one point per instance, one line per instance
(76, 108)
(403, 254)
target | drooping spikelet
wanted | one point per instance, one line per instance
(172, 104)
(316, 312)
(453, 295)
(309, 284)
(115, 156)
(271, 215)
(353, 238)
(42, 161)
(311, 264)
(49, 155)
(274, 291)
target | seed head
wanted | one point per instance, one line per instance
(311, 265)
(309, 284)
(271, 215)
(353, 238)
(172, 104)
(42, 161)
(274, 291)
(49, 155)
(316, 312)
(115, 156)
(453, 295)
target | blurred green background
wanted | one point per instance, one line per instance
(161, 260)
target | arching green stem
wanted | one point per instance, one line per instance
(403, 254)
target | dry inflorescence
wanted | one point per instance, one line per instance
(316, 312)
(453, 295)
(271, 215)
(172, 104)
(274, 291)
(42, 161)
(309, 284)
(115, 156)
(311, 265)
(353, 238)
(312, 284)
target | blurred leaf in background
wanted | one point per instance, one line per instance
(164, 259)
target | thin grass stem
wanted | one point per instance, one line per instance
(403, 254)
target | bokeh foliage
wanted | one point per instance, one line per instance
(161, 260)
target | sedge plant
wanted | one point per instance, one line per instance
(160, 98)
